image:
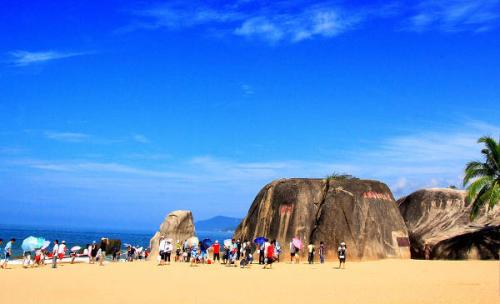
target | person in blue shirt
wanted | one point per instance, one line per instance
(194, 255)
(7, 252)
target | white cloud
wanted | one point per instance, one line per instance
(66, 136)
(25, 58)
(323, 21)
(140, 138)
(247, 89)
(455, 15)
(295, 21)
(271, 22)
(406, 163)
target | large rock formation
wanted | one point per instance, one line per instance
(440, 218)
(178, 225)
(361, 213)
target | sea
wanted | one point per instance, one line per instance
(77, 237)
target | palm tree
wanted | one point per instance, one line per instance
(484, 178)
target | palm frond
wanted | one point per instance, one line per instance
(492, 150)
(495, 195)
(474, 169)
(476, 187)
(477, 204)
(483, 178)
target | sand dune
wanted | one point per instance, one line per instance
(386, 281)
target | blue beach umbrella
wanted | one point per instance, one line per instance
(31, 243)
(206, 243)
(260, 240)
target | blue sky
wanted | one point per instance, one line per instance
(116, 112)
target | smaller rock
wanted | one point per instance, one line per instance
(438, 220)
(178, 225)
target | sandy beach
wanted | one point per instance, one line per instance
(385, 281)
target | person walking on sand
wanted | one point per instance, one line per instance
(310, 253)
(178, 249)
(38, 257)
(292, 252)
(88, 252)
(194, 255)
(55, 252)
(162, 251)
(297, 255)
(270, 254)
(61, 252)
(102, 256)
(216, 251)
(7, 252)
(93, 252)
(342, 252)
(321, 252)
(168, 251)
(238, 249)
(262, 254)
(248, 253)
(277, 251)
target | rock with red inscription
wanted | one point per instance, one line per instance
(361, 213)
(438, 220)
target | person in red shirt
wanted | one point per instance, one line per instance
(216, 251)
(270, 255)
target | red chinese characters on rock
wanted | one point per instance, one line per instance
(377, 196)
(286, 209)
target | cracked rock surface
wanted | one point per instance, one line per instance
(361, 213)
(440, 218)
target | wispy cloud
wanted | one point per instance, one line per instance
(66, 136)
(24, 58)
(320, 21)
(140, 138)
(271, 22)
(455, 15)
(247, 89)
(295, 21)
(405, 163)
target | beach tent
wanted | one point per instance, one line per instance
(31, 243)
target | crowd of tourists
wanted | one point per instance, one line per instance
(231, 252)
(234, 252)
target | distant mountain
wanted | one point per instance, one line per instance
(218, 223)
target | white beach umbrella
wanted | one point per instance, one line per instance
(45, 244)
(193, 241)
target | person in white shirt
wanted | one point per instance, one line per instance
(61, 250)
(168, 251)
(55, 251)
(266, 246)
(162, 251)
